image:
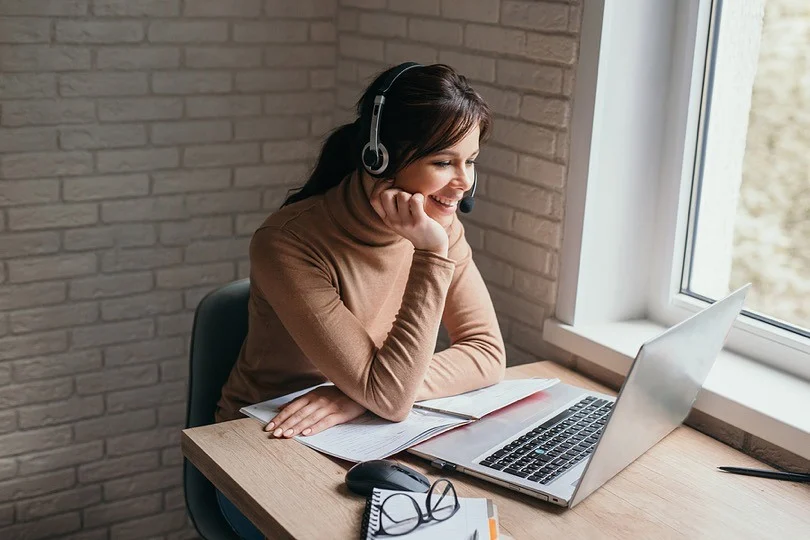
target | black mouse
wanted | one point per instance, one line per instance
(384, 474)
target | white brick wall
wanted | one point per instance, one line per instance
(520, 55)
(142, 142)
(138, 142)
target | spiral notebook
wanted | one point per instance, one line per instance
(475, 515)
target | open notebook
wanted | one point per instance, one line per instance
(474, 515)
(371, 437)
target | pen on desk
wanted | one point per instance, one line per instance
(762, 473)
(475, 535)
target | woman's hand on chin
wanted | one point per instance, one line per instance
(404, 213)
(315, 411)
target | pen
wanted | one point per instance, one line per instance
(776, 475)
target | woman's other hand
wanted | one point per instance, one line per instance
(315, 411)
(405, 214)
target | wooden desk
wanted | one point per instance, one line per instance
(673, 491)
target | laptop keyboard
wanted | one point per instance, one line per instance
(547, 451)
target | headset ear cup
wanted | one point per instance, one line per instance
(383, 159)
(375, 163)
(370, 158)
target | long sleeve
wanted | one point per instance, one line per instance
(476, 357)
(299, 285)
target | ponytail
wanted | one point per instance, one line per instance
(337, 159)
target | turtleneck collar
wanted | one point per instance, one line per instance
(350, 207)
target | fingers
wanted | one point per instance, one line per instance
(292, 425)
(398, 207)
(417, 207)
(286, 411)
(305, 428)
(300, 422)
(301, 413)
(403, 207)
(316, 411)
(325, 423)
(337, 417)
(388, 198)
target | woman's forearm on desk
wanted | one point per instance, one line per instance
(384, 379)
(462, 368)
(477, 356)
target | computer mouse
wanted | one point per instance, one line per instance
(384, 474)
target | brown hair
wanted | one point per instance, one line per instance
(428, 109)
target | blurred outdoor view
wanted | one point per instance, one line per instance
(772, 229)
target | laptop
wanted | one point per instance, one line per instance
(563, 443)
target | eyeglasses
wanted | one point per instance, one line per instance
(400, 513)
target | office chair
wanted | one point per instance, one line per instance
(219, 328)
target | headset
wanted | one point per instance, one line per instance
(375, 155)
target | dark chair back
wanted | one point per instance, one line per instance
(219, 329)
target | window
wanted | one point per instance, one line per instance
(665, 102)
(750, 200)
(734, 177)
(663, 185)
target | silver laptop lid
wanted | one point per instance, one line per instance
(659, 390)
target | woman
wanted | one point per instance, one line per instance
(352, 277)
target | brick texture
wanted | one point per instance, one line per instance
(518, 55)
(142, 142)
(124, 125)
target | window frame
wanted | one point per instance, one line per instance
(751, 337)
(616, 234)
(609, 192)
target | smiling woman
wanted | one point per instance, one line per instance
(371, 238)
(443, 177)
(352, 277)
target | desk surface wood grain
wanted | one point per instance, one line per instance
(673, 491)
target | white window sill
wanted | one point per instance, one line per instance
(753, 397)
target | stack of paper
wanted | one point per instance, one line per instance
(476, 404)
(371, 437)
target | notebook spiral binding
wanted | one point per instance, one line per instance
(372, 507)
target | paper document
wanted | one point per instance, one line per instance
(479, 403)
(371, 437)
(366, 437)
(266, 410)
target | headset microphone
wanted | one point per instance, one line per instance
(467, 203)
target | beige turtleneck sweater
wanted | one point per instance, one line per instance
(336, 295)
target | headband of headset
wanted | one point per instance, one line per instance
(375, 156)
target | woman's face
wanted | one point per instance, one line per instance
(442, 177)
